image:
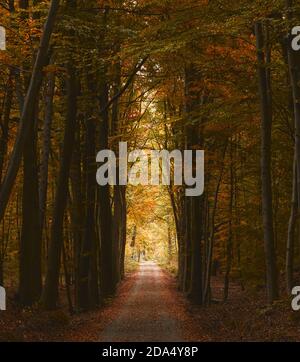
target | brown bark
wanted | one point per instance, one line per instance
(194, 205)
(4, 125)
(29, 103)
(50, 292)
(266, 129)
(291, 233)
(105, 212)
(30, 281)
(85, 300)
(43, 185)
(211, 237)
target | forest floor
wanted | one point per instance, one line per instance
(148, 307)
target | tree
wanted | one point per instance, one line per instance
(30, 285)
(50, 292)
(28, 109)
(267, 207)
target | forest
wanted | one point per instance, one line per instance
(81, 77)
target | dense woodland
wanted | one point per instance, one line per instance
(78, 77)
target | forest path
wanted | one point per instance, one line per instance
(146, 314)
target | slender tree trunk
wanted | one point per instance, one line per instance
(181, 243)
(5, 122)
(46, 146)
(30, 280)
(294, 67)
(105, 212)
(196, 289)
(76, 208)
(229, 246)
(50, 293)
(30, 247)
(117, 231)
(123, 231)
(169, 245)
(117, 197)
(67, 280)
(291, 232)
(89, 239)
(195, 205)
(1, 272)
(266, 127)
(187, 246)
(294, 70)
(211, 238)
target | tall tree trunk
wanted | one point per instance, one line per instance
(266, 128)
(294, 67)
(211, 238)
(30, 246)
(29, 105)
(181, 242)
(186, 279)
(196, 288)
(67, 280)
(169, 245)
(46, 146)
(117, 197)
(123, 231)
(89, 237)
(105, 212)
(291, 232)
(117, 232)
(50, 293)
(229, 245)
(77, 214)
(195, 205)
(4, 125)
(30, 271)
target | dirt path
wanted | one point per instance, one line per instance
(148, 307)
(146, 314)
